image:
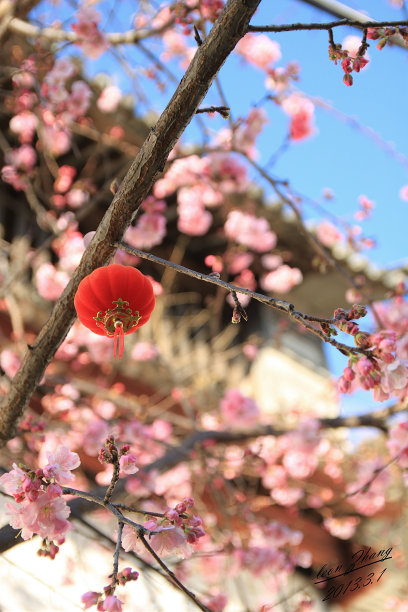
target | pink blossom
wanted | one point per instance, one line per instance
(275, 476)
(253, 232)
(215, 263)
(16, 518)
(112, 604)
(193, 219)
(10, 175)
(92, 41)
(170, 540)
(15, 482)
(341, 527)
(301, 111)
(394, 377)
(78, 101)
(60, 465)
(89, 599)
(148, 232)
(77, 197)
(46, 516)
(271, 262)
(174, 44)
(50, 282)
(144, 351)
(64, 179)
(259, 49)
(239, 262)
(328, 234)
(130, 540)
(281, 280)
(62, 70)
(109, 99)
(287, 496)
(9, 362)
(300, 464)
(56, 140)
(239, 410)
(24, 124)
(128, 464)
(22, 158)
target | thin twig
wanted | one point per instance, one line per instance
(115, 581)
(291, 27)
(275, 303)
(172, 574)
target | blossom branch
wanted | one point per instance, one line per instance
(276, 303)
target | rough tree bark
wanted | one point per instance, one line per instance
(226, 32)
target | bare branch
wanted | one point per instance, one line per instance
(292, 27)
(275, 303)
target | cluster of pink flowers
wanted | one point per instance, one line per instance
(249, 230)
(172, 534)
(108, 601)
(385, 367)
(301, 111)
(349, 61)
(91, 40)
(238, 410)
(40, 506)
(64, 104)
(294, 455)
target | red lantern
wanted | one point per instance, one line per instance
(113, 301)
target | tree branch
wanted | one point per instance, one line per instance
(291, 27)
(210, 56)
(276, 303)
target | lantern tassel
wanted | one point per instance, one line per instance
(118, 339)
